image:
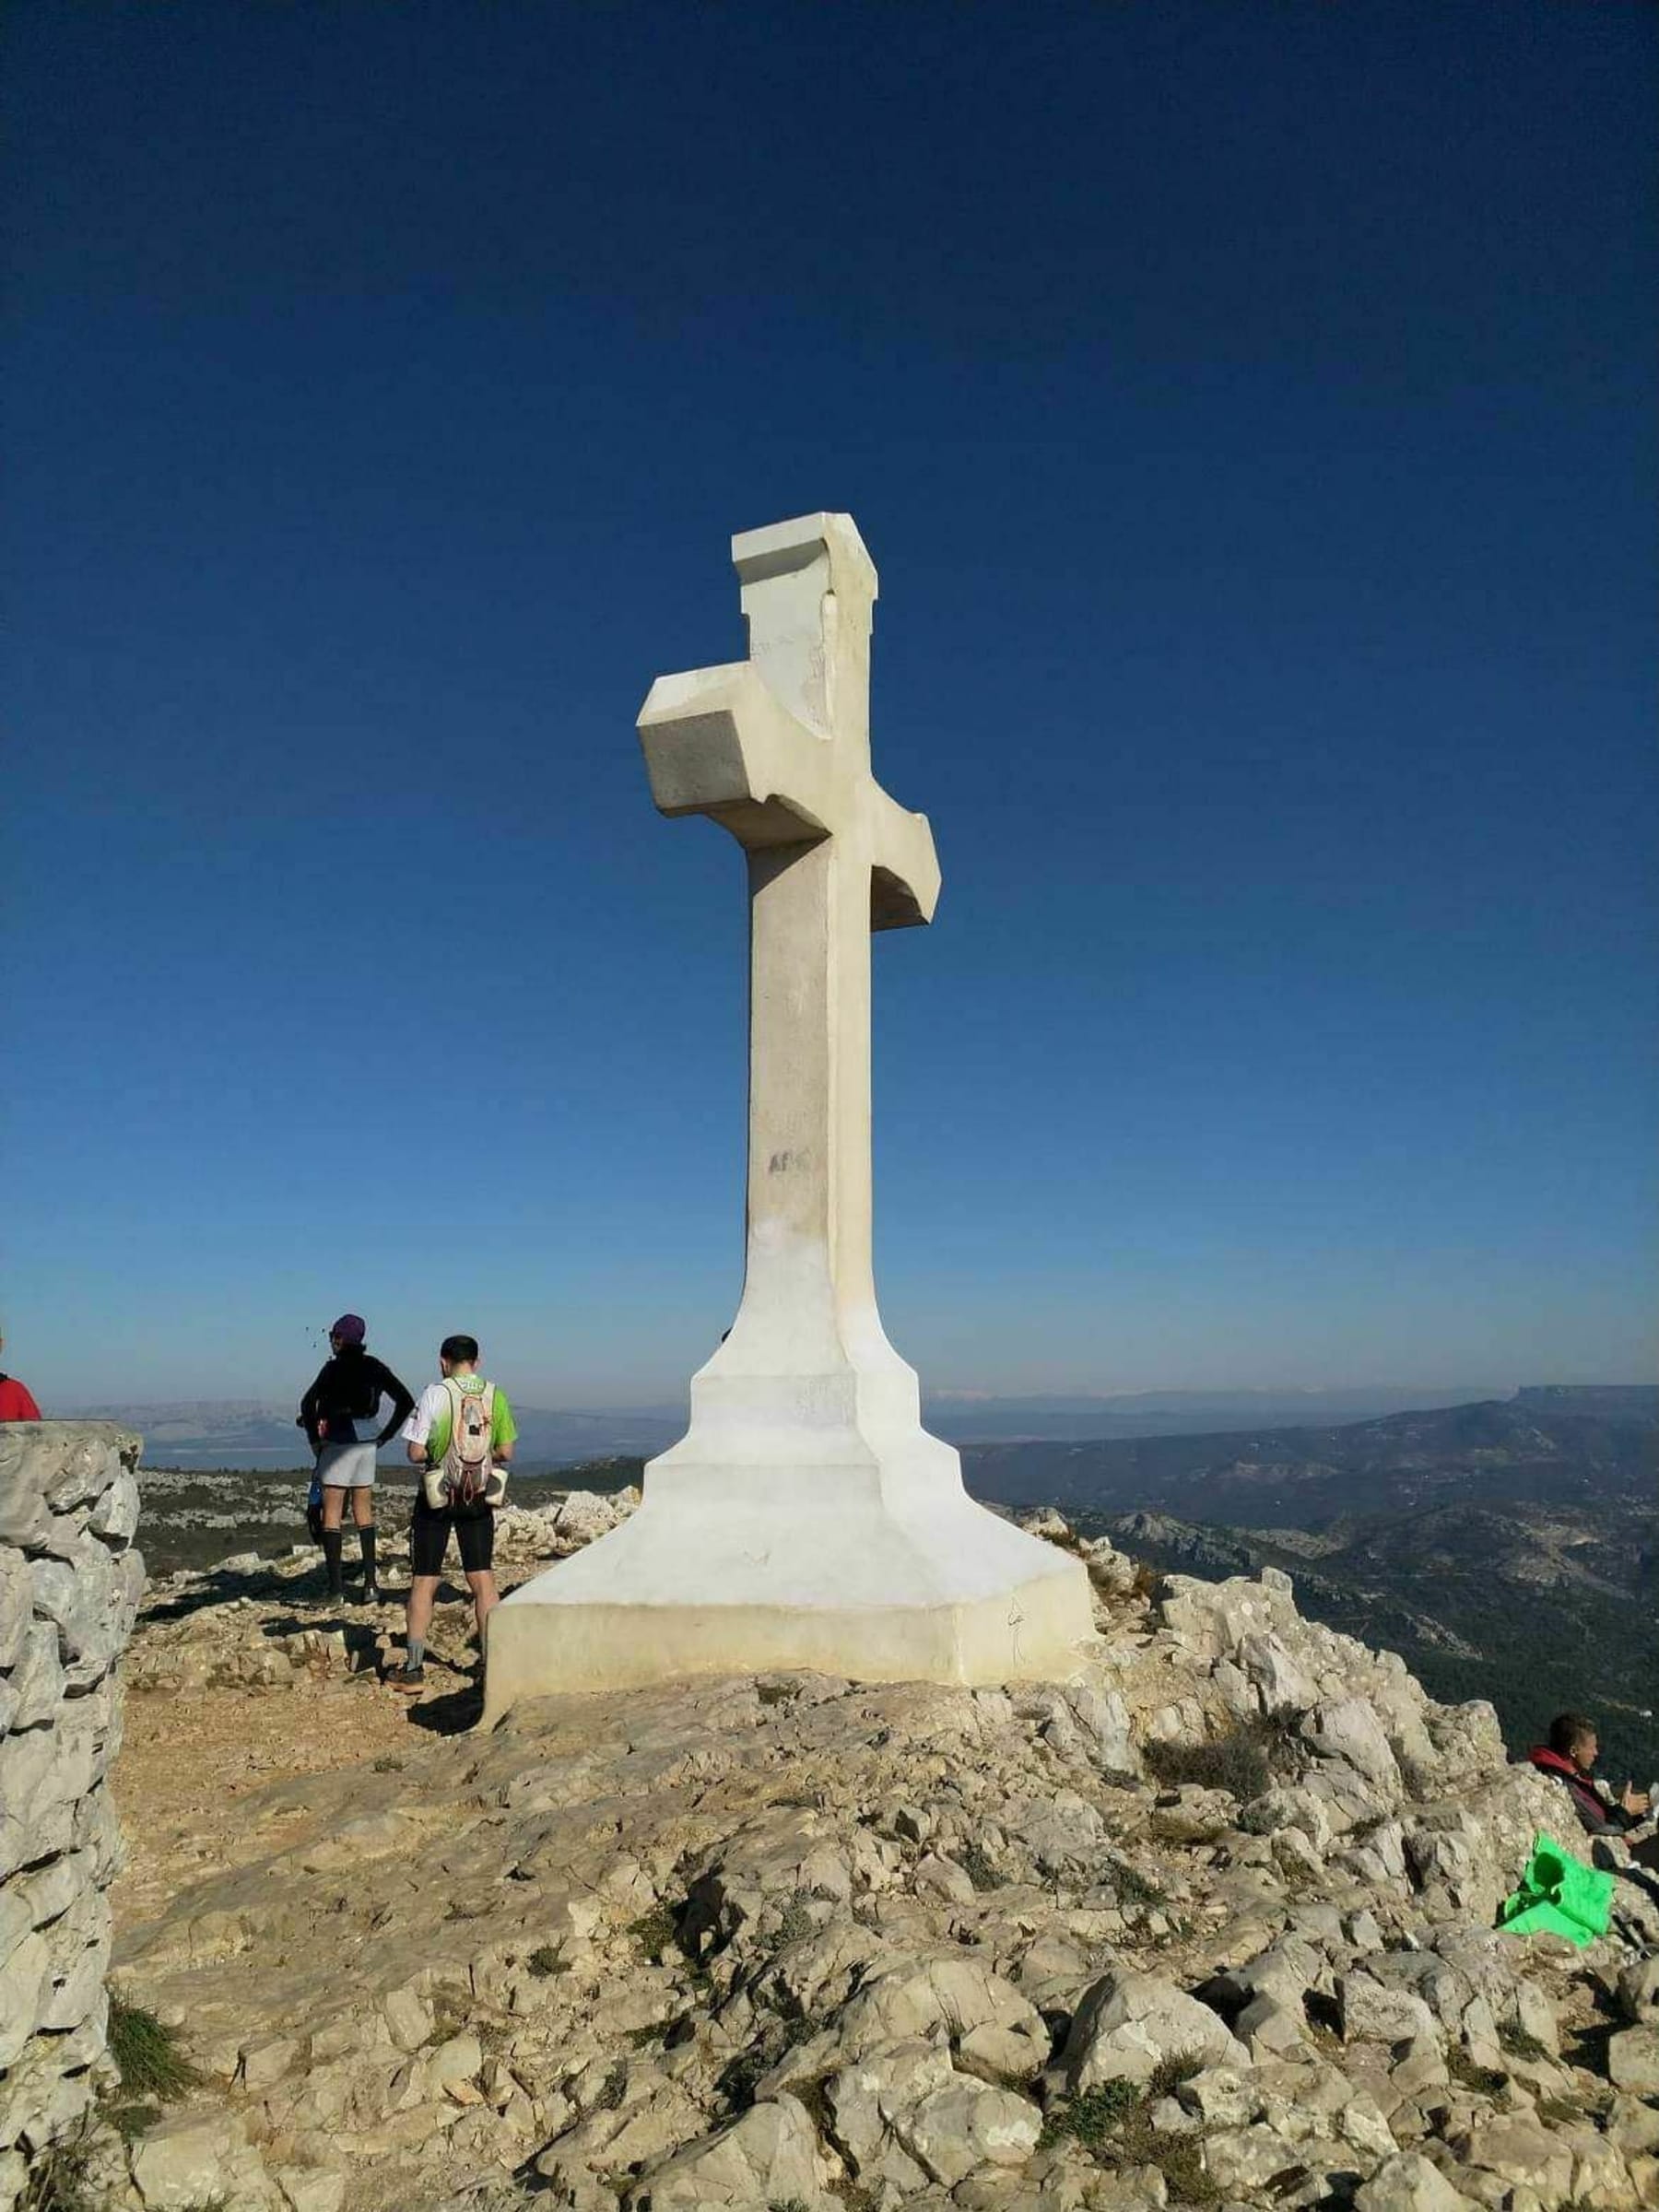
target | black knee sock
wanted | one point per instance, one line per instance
(330, 1553)
(366, 1538)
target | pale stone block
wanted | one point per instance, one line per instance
(25, 1980)
(38, 1678)
(17, 1605)
(265, 2061)
(189, 2159)
(115, 1516)
(311, 2188)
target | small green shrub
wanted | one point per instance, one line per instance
(977, 1865)
(739, 2080)
(1113, 2122)
(545, 1962)
(654, 1932)
(740, 2077)
(131, 2120)
(388, 1763)
(614, 2088)
(1168, 2074)
(1485, 2081)
(1133, 1886)
(1519, 2043)
(795, 1923)
(58, 2179)
(1180, 2158)
(1093, 2118)
(152, 2067)
(1237, 1762)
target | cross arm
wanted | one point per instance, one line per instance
(904, 871)
(718, 742)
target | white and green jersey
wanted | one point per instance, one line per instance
(432, 1421)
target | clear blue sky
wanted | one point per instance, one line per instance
(1250, 409)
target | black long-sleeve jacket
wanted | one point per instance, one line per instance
(347, 1390)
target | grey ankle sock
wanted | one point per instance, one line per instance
(417, 1651)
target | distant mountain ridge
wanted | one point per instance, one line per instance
(253, 1434)
(1306, 1478)
(261, 1433)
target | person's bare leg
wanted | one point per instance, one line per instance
(486, 1598)
(334, 1506)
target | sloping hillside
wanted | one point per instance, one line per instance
(1496, 1450)
(1538, 1608)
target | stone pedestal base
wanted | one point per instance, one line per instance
(793, 1571)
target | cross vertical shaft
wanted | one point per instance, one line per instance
(808, 1240)
(777, 750)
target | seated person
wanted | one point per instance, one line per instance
(1569, 1756)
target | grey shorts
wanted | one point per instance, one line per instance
(347, 1466)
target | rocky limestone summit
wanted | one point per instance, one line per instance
(1210, 1923)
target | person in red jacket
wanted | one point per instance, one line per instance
(16, 1405)
(1568, 1757)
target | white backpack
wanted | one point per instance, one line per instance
(467, 1477)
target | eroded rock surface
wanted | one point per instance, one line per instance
(1211, 1922)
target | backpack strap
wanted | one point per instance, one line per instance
(456, 1397)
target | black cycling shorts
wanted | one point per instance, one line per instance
(429, 1533)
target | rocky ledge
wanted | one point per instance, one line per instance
(1211, 1924)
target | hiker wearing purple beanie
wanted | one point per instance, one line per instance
(340, 1404)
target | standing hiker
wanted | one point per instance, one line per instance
(342, 1402)
(462, 1435)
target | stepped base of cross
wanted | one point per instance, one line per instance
(836, 1554)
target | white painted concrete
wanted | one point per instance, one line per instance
(807, 1518)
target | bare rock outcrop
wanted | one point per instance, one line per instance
(1212, 1921)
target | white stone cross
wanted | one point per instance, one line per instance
(806, 1519)
(776, 749)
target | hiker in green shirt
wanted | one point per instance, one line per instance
(461, 1435)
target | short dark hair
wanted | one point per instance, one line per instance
(1567, 1729)
(458, 1348)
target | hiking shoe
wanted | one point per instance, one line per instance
(411, 1680)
